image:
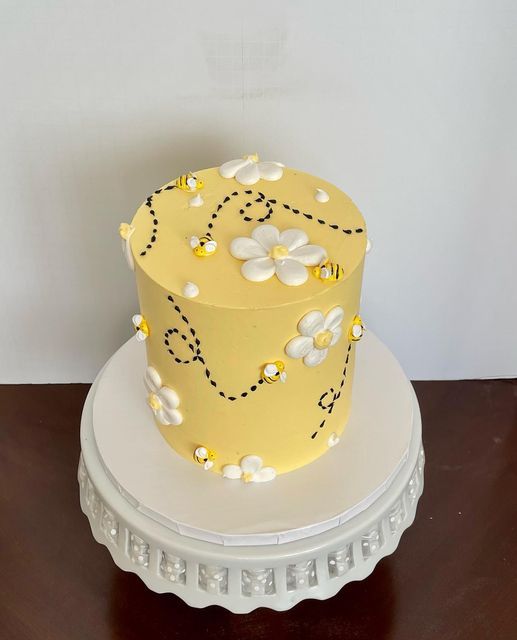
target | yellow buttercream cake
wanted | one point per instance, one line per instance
(249, 280)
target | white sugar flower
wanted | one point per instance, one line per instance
(164, 401)
(250, 469)
(249, 170)
(317, 334)
(269, 252)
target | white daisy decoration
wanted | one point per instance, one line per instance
(249, 170)
(317, 334)
(250, 469)
(163, 401)
(269, 252)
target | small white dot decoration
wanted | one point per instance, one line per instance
(321, 196)
(190, 290)
(333, 440)
(196, 201)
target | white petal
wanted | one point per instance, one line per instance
(232, 471)
(141, 336)
(299, 347)
(169, 398)
(291, 272)
(251, 464)
(160, 416)
(293, 238)
(267, 235)
(169, 416)
(270, 170)
(309, 255)
(229, 169)
(248, 174)
(334, 318)
(336, 334)
(264, 475)
(152, 380)
(246, 249)
(258, 269)
(315, 357)
(311, 323)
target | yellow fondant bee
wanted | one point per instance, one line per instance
(189, 182)
(205, 456)
(356, 329)
(274, 371)
(141, 327)
(204, 246)
(329, 271)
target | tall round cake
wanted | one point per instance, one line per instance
(249, 281)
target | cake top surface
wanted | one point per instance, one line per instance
(297, 235)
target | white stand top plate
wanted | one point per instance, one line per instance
(323, 495)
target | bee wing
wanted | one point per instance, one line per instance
(270, 370)
(194, 242)
(140, 336)
(283, 376)
(201, 452)
(210, 246)
(324, 273)
(136, 319)
(191, 182)
(208, 465)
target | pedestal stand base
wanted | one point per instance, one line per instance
(244, 578)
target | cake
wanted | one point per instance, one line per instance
(249, 280)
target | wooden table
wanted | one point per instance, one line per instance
(454, 575)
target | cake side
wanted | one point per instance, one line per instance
(249, 299)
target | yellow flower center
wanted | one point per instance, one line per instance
(154, 402)
(323, 339)
(254, 157)
(278, 252)
(247, 476)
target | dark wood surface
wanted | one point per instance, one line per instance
(453, 576)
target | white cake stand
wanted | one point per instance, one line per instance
(214, 541)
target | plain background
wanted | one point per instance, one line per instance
(408, 106)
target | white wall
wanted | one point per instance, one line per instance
(408, 106)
